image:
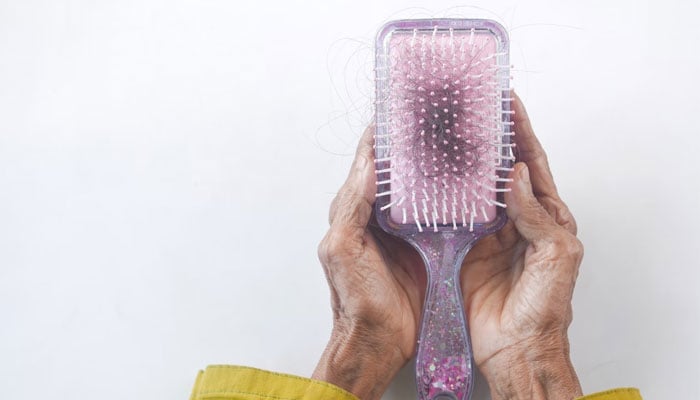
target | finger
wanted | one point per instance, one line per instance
(551, 259)
(352, 206)
(531, 220)
(559, 246)
(530, 151)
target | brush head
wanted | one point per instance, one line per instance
(443, 137)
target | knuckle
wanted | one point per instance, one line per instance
(333, 247)
(574, 247)
(568, 245)
(565, 218)
(326, 248)
(577, 249)
(338, 203)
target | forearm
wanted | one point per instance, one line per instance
(533, 372)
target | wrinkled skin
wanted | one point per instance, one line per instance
(517, 286)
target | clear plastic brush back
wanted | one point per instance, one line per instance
(443, 126)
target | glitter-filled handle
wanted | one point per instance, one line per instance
(444, 361)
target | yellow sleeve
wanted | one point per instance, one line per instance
(615, 394)
(229, 382)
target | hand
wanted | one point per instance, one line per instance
(377, 285)
(518, 284)
(518, 303)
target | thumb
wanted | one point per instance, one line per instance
(530, 218)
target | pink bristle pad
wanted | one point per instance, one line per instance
(445, 127)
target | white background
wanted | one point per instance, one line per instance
(166, 169)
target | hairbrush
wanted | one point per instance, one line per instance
(443, 151)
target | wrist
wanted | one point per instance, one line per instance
(359, 362)
(534, 370)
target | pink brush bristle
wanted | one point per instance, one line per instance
(443, 153)
(445, 128)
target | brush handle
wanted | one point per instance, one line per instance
(444, 360)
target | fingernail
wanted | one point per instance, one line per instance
(524, 174)
(361, 163)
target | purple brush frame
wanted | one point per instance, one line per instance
(444, 359)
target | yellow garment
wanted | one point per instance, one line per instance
(228, 382)
(242, 383)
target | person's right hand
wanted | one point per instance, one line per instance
(518, 284)
(377, 286)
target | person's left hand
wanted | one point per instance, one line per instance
(377, 285)
(518, 282)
